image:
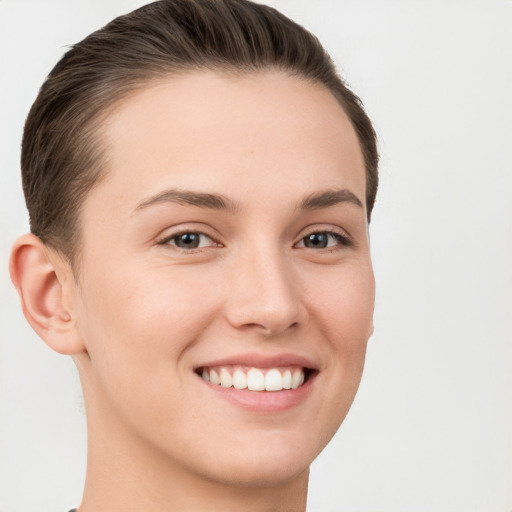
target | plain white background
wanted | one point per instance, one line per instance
(431, 427)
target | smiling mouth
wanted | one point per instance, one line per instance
(256, 379)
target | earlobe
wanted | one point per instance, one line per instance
(43, 283)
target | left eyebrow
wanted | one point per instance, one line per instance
(192, 198)
(329, 198)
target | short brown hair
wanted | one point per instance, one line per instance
(62, 158)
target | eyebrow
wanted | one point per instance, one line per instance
(199, 199)
(315, 201)
(329, 198)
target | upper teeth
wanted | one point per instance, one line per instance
(255, 379)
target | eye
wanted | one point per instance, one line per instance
(323, 240)
(189, 240)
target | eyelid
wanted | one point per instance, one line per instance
(181, 230)
(171, 238)
(341, 234)
(345, 239)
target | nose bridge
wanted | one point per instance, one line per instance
(263, 294)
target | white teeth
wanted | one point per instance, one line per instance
(239, 379)
(297, 376)
(226, 381)
(214, 378)
(273, 380)
(255, 380)
(287, 379)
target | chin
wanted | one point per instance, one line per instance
(260, 473)
(262, 462)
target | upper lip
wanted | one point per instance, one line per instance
(261, 361)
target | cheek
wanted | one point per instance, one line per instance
(344, 302)
(134, 327)
(137, 332)
(343, 311)
(353, 323)
(355, 310)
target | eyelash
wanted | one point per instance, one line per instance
(168, 239)
(341, 239)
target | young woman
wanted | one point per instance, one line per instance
(200, 182)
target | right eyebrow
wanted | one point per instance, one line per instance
(328, 198)
(189, 197)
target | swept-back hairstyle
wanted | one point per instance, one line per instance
(62, 155)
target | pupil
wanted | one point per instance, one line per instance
(188, 240)
(316, 240)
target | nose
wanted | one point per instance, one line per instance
(264, 295)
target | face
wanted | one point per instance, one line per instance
(226, 292)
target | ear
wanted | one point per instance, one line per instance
(46, 286)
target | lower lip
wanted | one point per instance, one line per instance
(264, 401)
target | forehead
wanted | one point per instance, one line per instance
(224, 133)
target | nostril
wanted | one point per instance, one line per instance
(269, 328)
(265, 298)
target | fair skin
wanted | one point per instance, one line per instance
(262, 178)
